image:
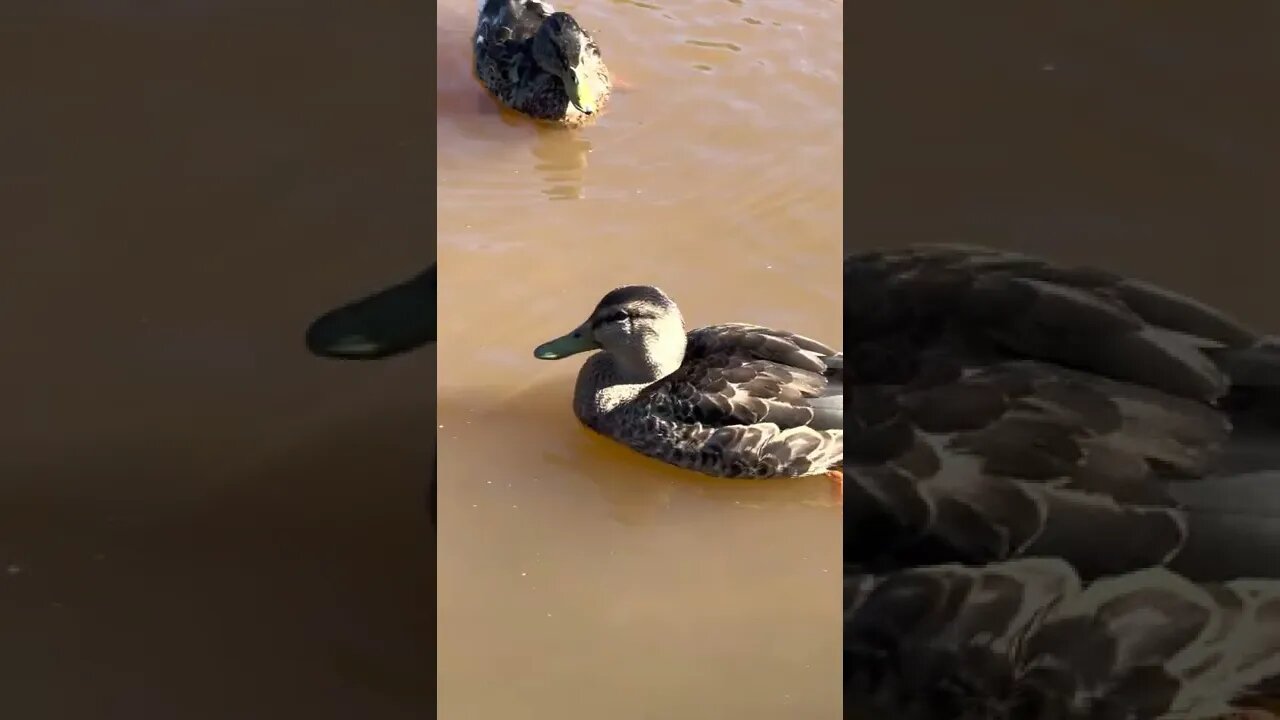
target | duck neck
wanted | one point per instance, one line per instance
(607, 381)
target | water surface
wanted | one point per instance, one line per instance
(199, 520)
(1133, 136)
(578, 579)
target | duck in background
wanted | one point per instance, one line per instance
(540, 62)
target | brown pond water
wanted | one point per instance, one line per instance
(578, 579)
(1136, 136)
(198, 519)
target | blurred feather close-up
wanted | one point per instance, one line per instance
(1063, 494)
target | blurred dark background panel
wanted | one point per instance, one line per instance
(199, 519)
(1140, 136)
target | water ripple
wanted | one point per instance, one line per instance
(715, 45)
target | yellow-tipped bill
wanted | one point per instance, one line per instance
(585, 94)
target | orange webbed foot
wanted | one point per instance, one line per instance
(837, 483)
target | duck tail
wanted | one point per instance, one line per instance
(1254, 406)
(1234, 515)
(1234, 523)
(1255, 379)
(828, 407)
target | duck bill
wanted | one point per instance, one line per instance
(582, 92)
(388, 322)
(578, 341)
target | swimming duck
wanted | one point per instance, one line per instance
(540, 62)
(1056, 479)
(729, 400)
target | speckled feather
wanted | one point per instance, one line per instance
(742, 404)
(1004, 407)
(1029, 639)
(505, 66)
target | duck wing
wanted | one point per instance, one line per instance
(1089, 319)
(738, 374)
(505, 27)
(1056, 473)
(750, 400)
(1028, 638)
(1003, 407)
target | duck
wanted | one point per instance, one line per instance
(730, 400)
(1061, 494)
(388, 322)
(540, 62)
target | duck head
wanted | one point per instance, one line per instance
(562, 48)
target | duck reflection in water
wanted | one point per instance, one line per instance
(561, 161)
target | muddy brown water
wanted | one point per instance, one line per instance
(1134, 137)
(578, 579)
(197, 518)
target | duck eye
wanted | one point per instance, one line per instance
(615, 316)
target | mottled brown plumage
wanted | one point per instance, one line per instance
(536, 61)
(1029, 639)
(1002, 407)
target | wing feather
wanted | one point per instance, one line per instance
(747, 401)
(1056, 430)
(1029, 638)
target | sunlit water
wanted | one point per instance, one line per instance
(576, 578)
